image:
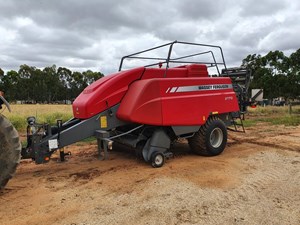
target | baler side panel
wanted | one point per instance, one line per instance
(194, 109)
(177, 101)
(190, 101)
(142, 103)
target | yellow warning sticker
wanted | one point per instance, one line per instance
(103, 122)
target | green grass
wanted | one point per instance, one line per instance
(53, 117)
(19, 122)
(287, 120)
(274, 115)
(249, 122)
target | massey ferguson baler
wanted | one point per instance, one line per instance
(150, 107)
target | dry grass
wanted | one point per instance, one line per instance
(38, 110)
(273, 110)
(43, 113)
(50, 113)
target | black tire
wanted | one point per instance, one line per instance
(211, 139)
(157, 159)
(10, 150)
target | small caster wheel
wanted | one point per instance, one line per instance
(157, 159)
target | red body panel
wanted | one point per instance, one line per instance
(176, 101)
(104, 93)
(182, 95)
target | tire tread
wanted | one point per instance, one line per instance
(10, 150)
(197, 143)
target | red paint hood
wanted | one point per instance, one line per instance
(104, 93)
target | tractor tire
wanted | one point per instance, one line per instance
(10, 150)
(211, 139)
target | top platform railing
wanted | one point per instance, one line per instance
(185, 59)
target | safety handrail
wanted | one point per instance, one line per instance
(169, 60)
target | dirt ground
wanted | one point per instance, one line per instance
(255, 181)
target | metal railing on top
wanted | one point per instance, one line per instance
(169, 60)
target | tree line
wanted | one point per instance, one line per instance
(33, 85)
(277, 74)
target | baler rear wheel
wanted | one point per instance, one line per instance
(211, 138)
(10, 150)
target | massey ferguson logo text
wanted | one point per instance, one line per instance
(214, 87)
(199, 88)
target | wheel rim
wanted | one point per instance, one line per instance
(216, 137)
(159, 159)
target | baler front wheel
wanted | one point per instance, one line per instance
(10, 150)
(211, 138)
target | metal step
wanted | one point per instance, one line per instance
(237, 124)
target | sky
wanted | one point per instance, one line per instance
(95, 34)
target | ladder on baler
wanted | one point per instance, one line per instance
(241, 78)
(237, 122)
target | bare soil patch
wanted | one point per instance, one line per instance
(255, 181)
